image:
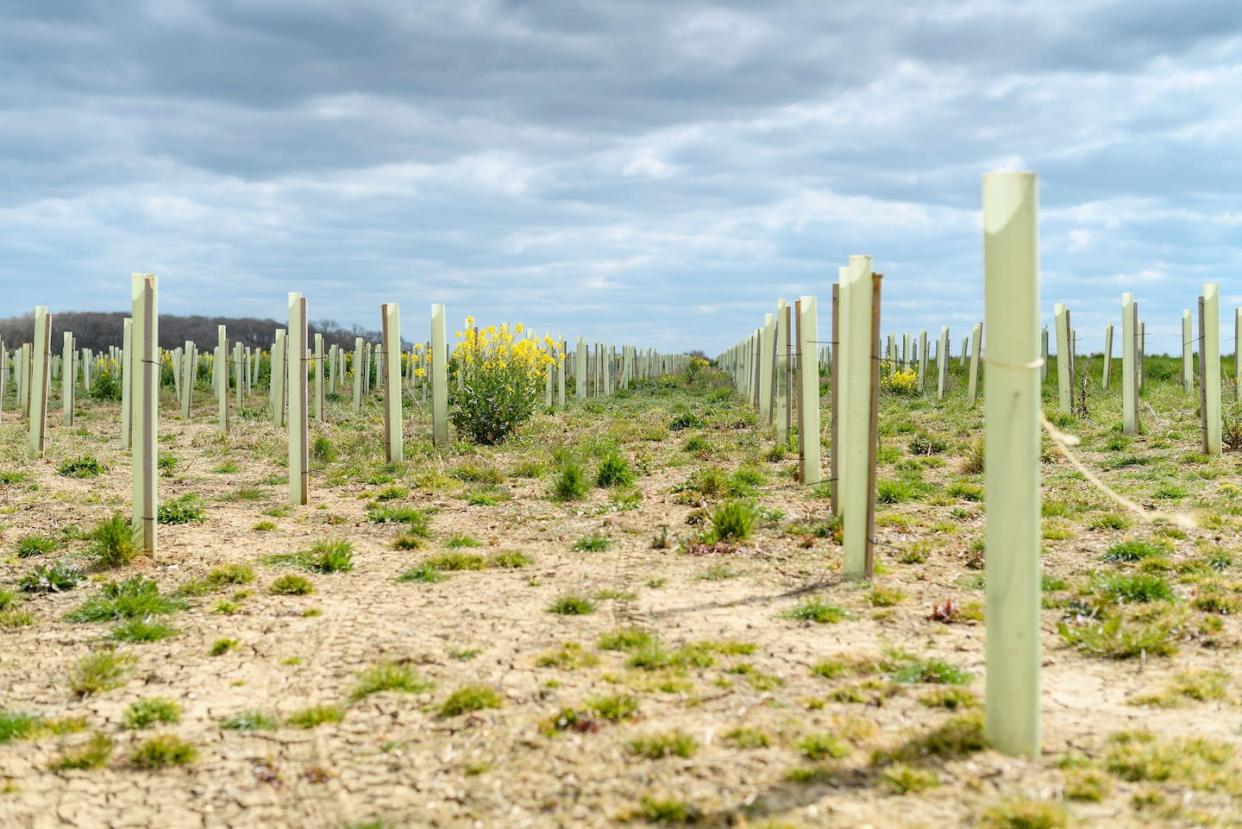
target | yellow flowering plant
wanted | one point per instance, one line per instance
(502, 379)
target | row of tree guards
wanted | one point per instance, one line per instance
(763, 366)
(295, 373)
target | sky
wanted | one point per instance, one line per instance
(651, 172)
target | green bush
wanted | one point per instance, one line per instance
(570, 483)
(614, 470)
(502, 381)
(732, 521)
(112, 542)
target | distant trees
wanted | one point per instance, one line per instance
(97, 330)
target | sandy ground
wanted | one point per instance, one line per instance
(396, 760)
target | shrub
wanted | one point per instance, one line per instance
(903, 382)
(83, 467)
(106, 384)
(502, 382)
(112, 542)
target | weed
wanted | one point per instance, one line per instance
(163, 750)
(423, 573)
(251, 721)
(184, 510)
(670, 744)
(36, 545)
(570, 483)
(147, 712)
(100, 671)
(93, 754)
(222, 646)
(458, 540)
(470, 698)
(732, 521)
(900, 778)
(82, 467)
(822, 746)
(141, 630)
(593, 543)
(1136, 550)
(316, 715)
(814, 610)
(748, 738)
(389, 676)
(569, 656)
(455, 562)
(614, 470)
(1024, 814)
(572, 605)
(49, 578)
(229, 574)
(508, 560)
(291, 585)
(134, 598)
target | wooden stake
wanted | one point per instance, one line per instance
(1065, 391)
(1188, 378)
(1108, 353)
(220, 374)
(67, 374)
(942, 362)
(279, 371)
(319, 377)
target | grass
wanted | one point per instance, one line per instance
(508, 560)
(141, 630)
(100, 671)
(151, 711)
(36, 545)
(112, 542)
(818, 747)
(470, 698)
(670, 744)
(456, 562)
(95, 753)
(732, 521)
(1131, 588)
(570, 484)
(291, 584)
(746, 737)
(15, 725)
(1118, 636)
(316, 715)
(906, 669)
(328, 556)
(222, 646)
(955, 737)
(459, 540)
(588, 718)
(593, 543)
(568, 657)
(422, 573)
(389, 676)
(817, 611)
(614, 470)
(666, 812)
(1024, 814)
(134, 598)
(900, 778)
(251, 721)
(162, 751)
(571, 604)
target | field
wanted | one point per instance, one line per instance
(629, 613)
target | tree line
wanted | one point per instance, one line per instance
(97, 330)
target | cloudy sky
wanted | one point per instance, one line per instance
(652, 171)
